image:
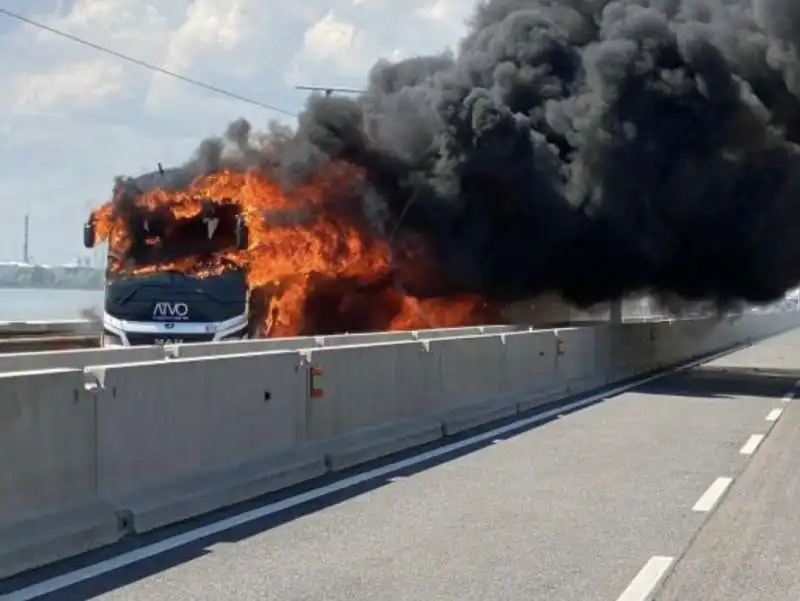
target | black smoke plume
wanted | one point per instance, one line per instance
(592, 148)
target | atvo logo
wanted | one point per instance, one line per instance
(171, 310)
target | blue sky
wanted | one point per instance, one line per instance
(72, 118)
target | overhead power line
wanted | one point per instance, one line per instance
(330, 90)
(146, 65)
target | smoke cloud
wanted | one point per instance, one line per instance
(592, 148)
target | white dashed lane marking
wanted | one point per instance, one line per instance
(752, 444)
(712, 496)
(649, 577)
(773, 415)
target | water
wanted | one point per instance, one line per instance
(19, 304)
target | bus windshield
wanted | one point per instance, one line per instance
(157, 238)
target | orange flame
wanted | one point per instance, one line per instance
(312, 264)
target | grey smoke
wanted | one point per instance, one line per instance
(588, 147)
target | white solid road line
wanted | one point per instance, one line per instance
(648, 578)
(712, 496)
(105, 566)
(773, 415)
(752, 444)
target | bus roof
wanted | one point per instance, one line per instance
(155, 179)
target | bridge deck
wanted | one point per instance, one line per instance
(572, 509)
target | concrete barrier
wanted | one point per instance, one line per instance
(368, 401)
(180, 438)
(462, 392)
(531, 367)
(163, 441)
(81, 358)
(49, 507)
(382, 393)
(78, 358)
(579, 358)
(338, 340)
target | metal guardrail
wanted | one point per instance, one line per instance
(49, 327)
(53, 335)
(27, 344)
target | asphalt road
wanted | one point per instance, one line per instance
(749, 549)
(661, 485)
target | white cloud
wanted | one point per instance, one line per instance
(345, 41)
(330, 36)
(72, 117)
(334, 44)
(78, 85)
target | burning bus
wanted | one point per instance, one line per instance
(234, 255)
(171, 277)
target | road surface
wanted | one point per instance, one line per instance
(684, 487)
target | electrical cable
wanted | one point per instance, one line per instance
(145, 64)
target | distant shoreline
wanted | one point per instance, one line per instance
(27, 286)
(23, 276)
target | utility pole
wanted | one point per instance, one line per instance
(25, 242)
